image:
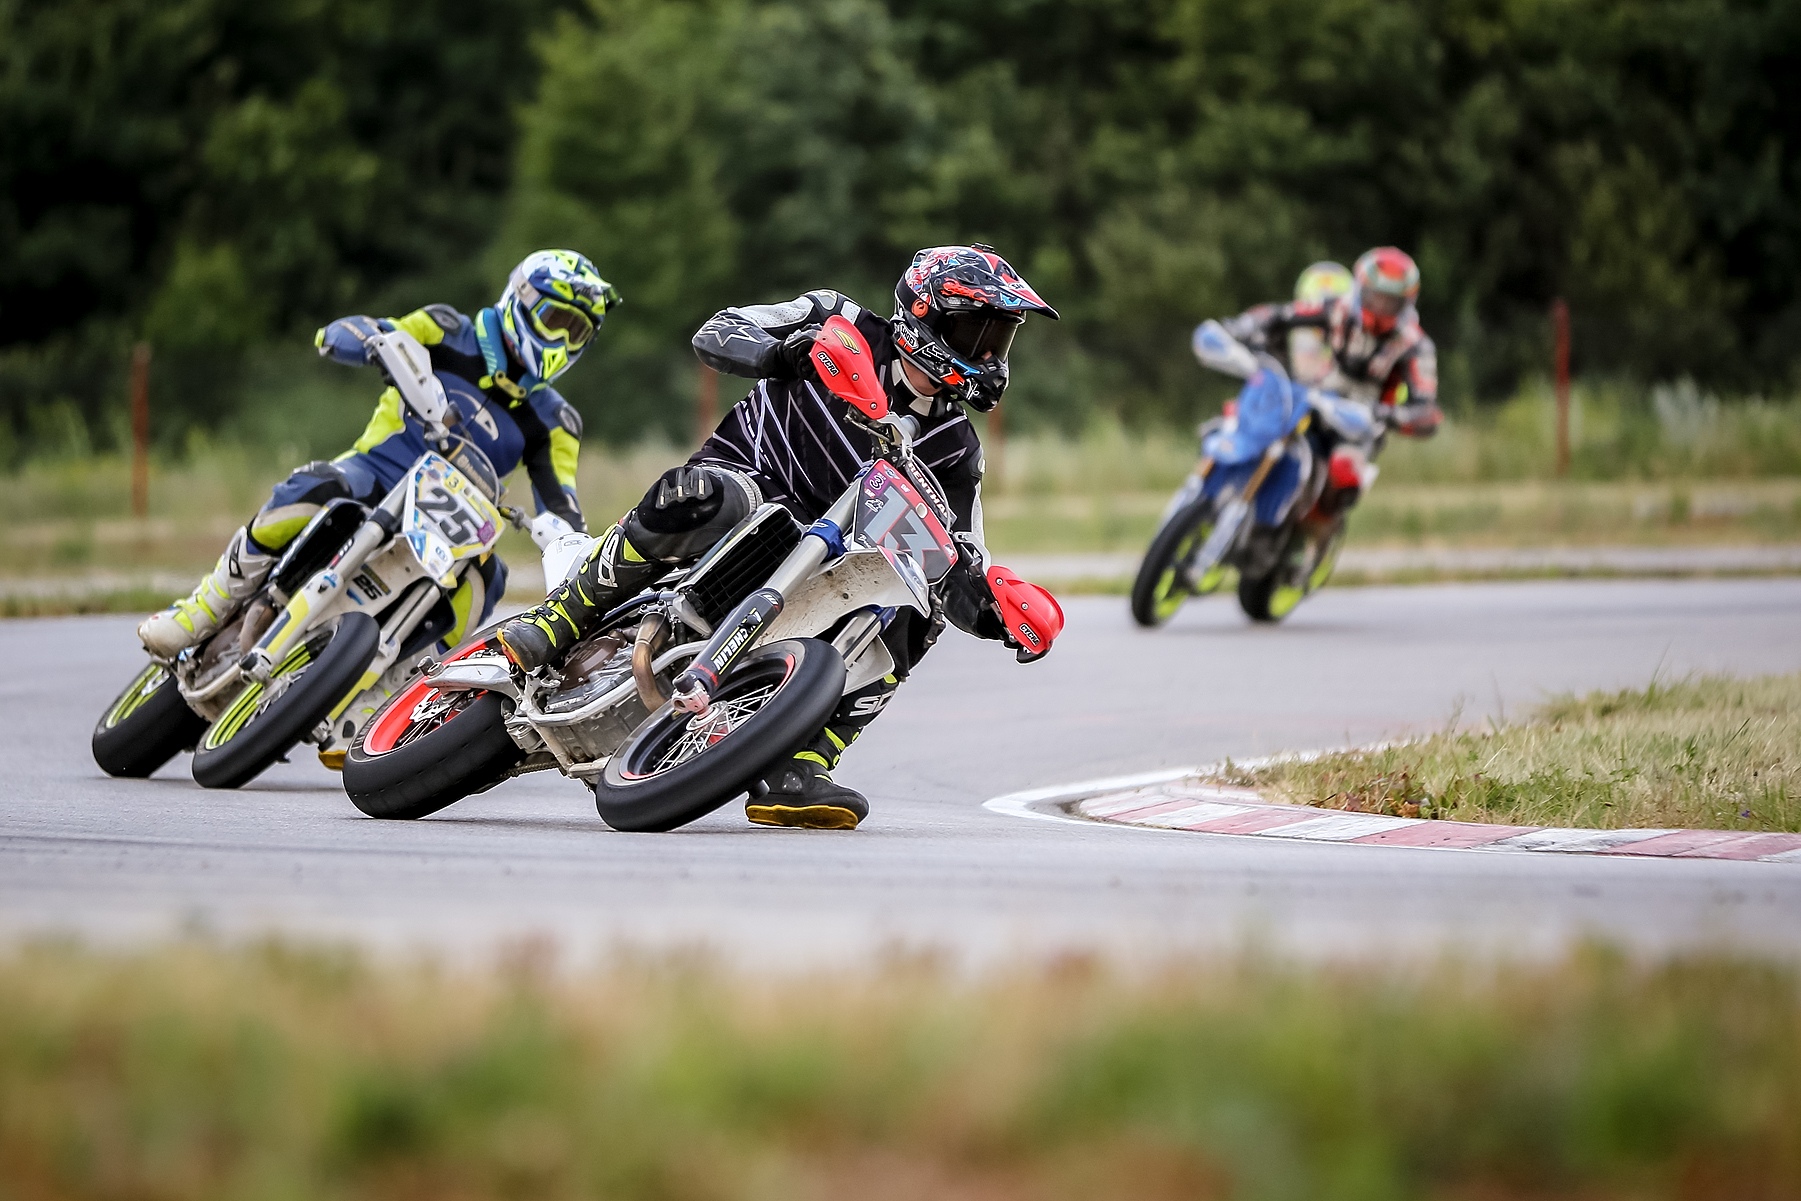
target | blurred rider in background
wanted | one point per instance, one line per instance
(496, 368)
(1372, 329)
(1309, 358)
(791, 441)
(1360, 338)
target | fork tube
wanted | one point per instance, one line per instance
(325, 587)
(1276, 451)
(738, 632)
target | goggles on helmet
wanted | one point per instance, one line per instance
(559, 322)
(981, 336)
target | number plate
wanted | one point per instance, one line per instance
(447, 518)
(892, 515)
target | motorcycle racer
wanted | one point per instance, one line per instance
(1380, 353)
(792, 442)
(1309, 358)
(496, 369)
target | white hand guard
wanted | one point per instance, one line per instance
(547, 527)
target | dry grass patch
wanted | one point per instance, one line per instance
(1712, 752)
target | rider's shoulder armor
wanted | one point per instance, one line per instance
(834, 304)
(555, 412)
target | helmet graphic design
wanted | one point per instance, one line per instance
(1323, 281)
(553, 303)
(1388, 280)
(955, 313)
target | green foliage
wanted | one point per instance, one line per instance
(285, 1072)
(216, 173)
(211, 173)
(1148, 165)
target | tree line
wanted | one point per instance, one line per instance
(219, 176)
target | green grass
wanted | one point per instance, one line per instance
(272, 1072)
(1711, 752)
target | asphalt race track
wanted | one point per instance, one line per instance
(117, 861)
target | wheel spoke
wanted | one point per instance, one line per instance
(713, 727)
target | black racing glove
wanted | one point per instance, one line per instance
(968, 602)
(793, 358)
(1418, 420)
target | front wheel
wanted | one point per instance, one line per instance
(675, 768)
(1164, 577)
(145, 726)
(426, 749)
(267, 720)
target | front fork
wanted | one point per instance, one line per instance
(291, 625)
(1236, 512)
(694, 688)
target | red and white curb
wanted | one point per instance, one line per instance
(1183, 799)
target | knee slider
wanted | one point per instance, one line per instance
(689, 509)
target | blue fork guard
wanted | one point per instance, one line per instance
(1275, 495)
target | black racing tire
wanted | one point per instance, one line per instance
(632, 793)
(1155, 595)
(147, 725)
(464, 751)
(248, 738)
(1263, 598)
(1269, 599)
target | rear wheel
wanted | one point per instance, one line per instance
(1274, 596)
(268, 720)
(1268, 598)
(1164, 580)
(145, 726)
(675, 768)
(426, 749)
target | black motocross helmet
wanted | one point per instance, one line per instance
(955, 313)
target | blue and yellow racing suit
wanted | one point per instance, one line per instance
(514, 422)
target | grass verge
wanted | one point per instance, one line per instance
(1712, 752)
(75, 603)
(274, 1072)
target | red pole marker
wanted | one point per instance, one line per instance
(140, 429)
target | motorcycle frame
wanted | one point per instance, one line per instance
(824, 583)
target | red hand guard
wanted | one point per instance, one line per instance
(1032, 616)
(847, 368)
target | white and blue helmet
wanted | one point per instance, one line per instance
(553, 303)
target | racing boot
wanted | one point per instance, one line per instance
(800, 791)
(239, 572)
(613, 572)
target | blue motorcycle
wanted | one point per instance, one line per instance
(1263, 503)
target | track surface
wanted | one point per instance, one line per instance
(123, 860)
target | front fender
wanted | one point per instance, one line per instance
(863, 578)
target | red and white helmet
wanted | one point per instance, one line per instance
(1388, 281)
(955, 313)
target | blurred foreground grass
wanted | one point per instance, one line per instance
(1690, 472)
(1711, 752)
(275, 1072)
